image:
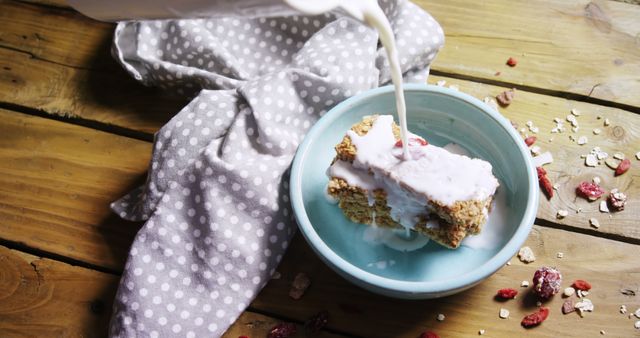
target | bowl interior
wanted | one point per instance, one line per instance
(441, 116)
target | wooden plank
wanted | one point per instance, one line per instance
(579, 47)
(568, 169)
(46, 298)
(56, 185)
(57, 61)
(355, 311)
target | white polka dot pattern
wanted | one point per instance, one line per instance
(216, 205)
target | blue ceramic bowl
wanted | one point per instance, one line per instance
(442, 116)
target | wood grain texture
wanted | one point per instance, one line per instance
(45, 298)
(59, 62)
(580, 47)
(355, 311)
(568, 168)
(56, 185)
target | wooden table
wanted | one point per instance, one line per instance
(76, 131)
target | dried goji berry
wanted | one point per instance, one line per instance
(429, 334)
(545, 183)
(413, 141)
(529, 141)
(541, 172)
(589, 190)
(317, 322)
(507, 293)
(282, 330)
(535, 318)
(580, 284)
(623, 167)
(512, 62)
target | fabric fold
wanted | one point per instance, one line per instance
(216, 201)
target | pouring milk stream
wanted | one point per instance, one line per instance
(366, 11)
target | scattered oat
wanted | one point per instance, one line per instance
(602, 155)
(481, 332)
(582, 293)
(575, 112)
(524, 283)
(594, 222)
(535, 150)
(607, 122)
(627, 292)
(612, 163)
(579, 210)
(599, 117)
(623, 309)
(508, 263)
(637, 313)
(454, 87)
(638, 155)
(596, 180)
(584, 305)
(504, 313)
(538, 303)
(526, 255)
(543, 159)
(637, 325)
(440, 317)
(603, 206)
(597, 131)
(575, 129)
(560, 255)
(618, 156)
(602, 332)
(582, 140)
(299, 285)
(441, 83)
(562, 214)
(591, 161)
(571, 118)
(556, 186)
(568, 292)
(567, 306)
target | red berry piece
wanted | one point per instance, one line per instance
(535, 318)
(580, 284)
(429, 334)
(546, 282)
(545, 183)
(317, 322)
(512, 62)
(282, 330)
(589, 190)
(413, 141)
(529, 141)
(507, 293)
(623, 167)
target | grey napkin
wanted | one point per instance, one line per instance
(216, 202)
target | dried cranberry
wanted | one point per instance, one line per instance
(545, 183)
(580, 284)
(546, 281)
(535, 318)
(512, 62)
(429, 334)
(282, 330)
(589, 190)
(507, 293)
(317, 322)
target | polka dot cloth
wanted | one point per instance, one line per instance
(216, 205)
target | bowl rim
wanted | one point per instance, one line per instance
(468, 278)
